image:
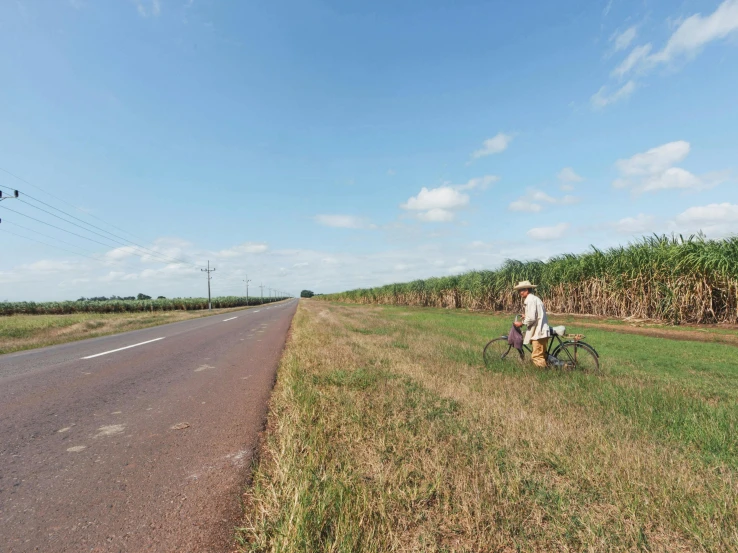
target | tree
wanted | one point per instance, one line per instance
(143, 297)
(306, 294)
(161, 298)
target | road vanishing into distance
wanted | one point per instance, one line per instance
(139, 441)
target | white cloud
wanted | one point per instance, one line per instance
(697, 31)
(690, 36)
(567, 187)
(523, 204)
(623, 40)
(715, 220)
(601, 98)
(568, 175)
(494, 145)
(655, 160)
(148, 8)
(479, 182)
(438, 205)
(654, 170)
(639, 224)
(243, 249)
(391, 172)
(343, 221)
(533, 200)
(443, 197)
(437, 215)
(635, 58)
(548, 233)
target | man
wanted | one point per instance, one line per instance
(536, 320)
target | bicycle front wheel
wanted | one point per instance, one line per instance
(578, 356)
(499, 351)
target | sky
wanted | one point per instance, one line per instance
(335, 144)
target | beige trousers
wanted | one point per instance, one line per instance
(539, 352)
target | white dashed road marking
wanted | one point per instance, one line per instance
(226, 320)
(110, 430)
(76, 448)
(121, 349)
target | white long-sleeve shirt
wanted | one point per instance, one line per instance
(535, 319)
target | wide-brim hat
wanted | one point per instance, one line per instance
(523, 284)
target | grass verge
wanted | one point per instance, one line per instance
(22, 332)
(386, 433)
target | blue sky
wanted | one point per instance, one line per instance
(336, 144)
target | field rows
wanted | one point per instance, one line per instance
(672, 279)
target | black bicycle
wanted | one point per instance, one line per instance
(570, 353)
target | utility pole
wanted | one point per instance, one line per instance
(261, 301)
(247, 289)
(208, 271)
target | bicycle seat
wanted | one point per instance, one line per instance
(558, 330)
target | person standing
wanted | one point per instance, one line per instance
(536, 320)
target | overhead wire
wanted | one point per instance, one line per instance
(66, 202)
(117, 262)
(161, 257)
(144, 248)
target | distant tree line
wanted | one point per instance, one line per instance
(111, 298)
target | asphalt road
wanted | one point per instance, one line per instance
(108, 447)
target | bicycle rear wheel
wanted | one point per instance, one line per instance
(499, 351)
(578, 356)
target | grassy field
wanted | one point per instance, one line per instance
(386, 433)
(20, 332)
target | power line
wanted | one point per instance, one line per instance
(58, 228)
(98, 228)
(66, 202)
(104, 261)
(162, 258)
(76, 234)
(47, 244)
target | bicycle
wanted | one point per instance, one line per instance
(572, 354)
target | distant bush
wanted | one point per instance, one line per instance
(124, 305)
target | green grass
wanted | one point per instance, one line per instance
(682, 391)
(22, 332)
(387, 433)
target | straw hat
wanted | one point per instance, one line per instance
(523, 284)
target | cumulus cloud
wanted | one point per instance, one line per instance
(715, 220)
(439, 205)
(655, 170)
(343, 221)
(567, 174)
(443, 197)
(602, 98)
(437, 215)
(494, 145)
(548, 233)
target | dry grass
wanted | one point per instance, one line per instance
(384, 435)
(21, 332)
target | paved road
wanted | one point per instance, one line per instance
(141, 449)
